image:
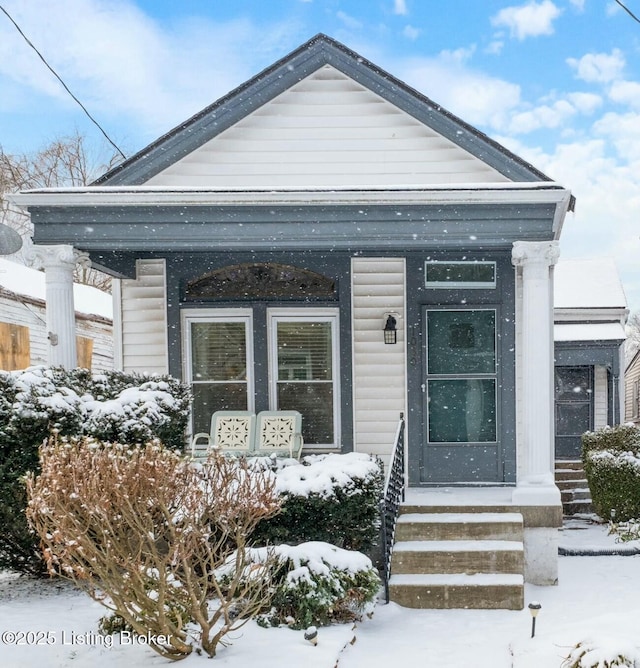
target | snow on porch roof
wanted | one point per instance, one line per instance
(588, 283)
(595, 331)
(28, 282)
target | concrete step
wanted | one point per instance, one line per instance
(578, 494)
(580, 483)
(569, 474)
(457, 556)
(578, 507)
(459, 526)
(481, 591)
(568, 464)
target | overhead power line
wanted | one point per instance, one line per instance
(64, 85)
(626, 9)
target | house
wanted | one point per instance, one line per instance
(632, 390)
(590, 312)
(327, 239)
(23, 321)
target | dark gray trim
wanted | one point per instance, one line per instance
(502, 298)
(182, 267)
(588, 353)
(262, 228)
(306, 59)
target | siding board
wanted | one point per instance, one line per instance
(143, 319)
(378, 286)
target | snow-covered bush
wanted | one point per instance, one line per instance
(314, 583)
(611, 459)
(330, 498)
(111, 406)
(142, 531)
(603, 653)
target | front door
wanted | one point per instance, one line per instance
(574, 409)
(461, 441)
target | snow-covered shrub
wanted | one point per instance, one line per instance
(611, 459)
(111, 406)
(331, 498)
(314, 583)
(603, 653)
(142, 531)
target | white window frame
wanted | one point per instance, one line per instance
(330, 315)
(191, 316)
(455, 285)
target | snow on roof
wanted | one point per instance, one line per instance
(592, 283)
(31, 283)
(596, 331)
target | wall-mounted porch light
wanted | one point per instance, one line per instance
(390, 328)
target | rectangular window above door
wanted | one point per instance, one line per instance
(304, 370)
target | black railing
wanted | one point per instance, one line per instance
(392, 497)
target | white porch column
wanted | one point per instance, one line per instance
(58, 263)
(535, 481)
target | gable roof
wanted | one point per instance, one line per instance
(319, 52)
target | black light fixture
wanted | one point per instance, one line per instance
(390, 330)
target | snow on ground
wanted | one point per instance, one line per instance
(598, 599)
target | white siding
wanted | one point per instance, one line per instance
(632, 390)
(142, 319)
(600, 403)
(379, 370)
(31, 313)
(327, 130)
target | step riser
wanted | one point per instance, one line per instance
(458, 531)
(570, 495)
(457, 562)
(578, 508)
(569, 475)
(488, 597)
(572, 484)
(568, 464)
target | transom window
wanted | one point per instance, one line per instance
(450, 275)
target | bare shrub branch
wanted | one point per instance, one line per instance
(143, 531)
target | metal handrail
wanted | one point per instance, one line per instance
(392, 497)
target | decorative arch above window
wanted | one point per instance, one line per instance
(260, 280)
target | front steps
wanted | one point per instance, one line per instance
(458, 558)
(573, 486)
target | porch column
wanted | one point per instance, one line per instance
(535, 481)
(58, 263)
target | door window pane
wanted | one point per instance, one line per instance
(573, 383)
(462, 411)
(461, 342)
(573, 419)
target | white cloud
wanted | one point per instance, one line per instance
(410, 32)
(348, 20)
(625, 92)
(543, 116)
(530, 20)
(578, 4)
(474, 96)
(123, 65)
(598, 67)
(585, 103)
(400, 7)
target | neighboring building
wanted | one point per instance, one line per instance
(23, 321)
(632, 390)
(265, 245)
(590, 312)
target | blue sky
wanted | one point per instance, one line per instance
(556, 81)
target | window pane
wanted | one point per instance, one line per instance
(461, 342)
(304, 351)
(444, 273)
(211, 397)
(573, 383)
(315, 402)
(218, 351)
(462, 411)
(573, 419)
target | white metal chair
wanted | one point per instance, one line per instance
(279, 432)
(231, 432)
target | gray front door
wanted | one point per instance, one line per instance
(461, 388)
(574, 409)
